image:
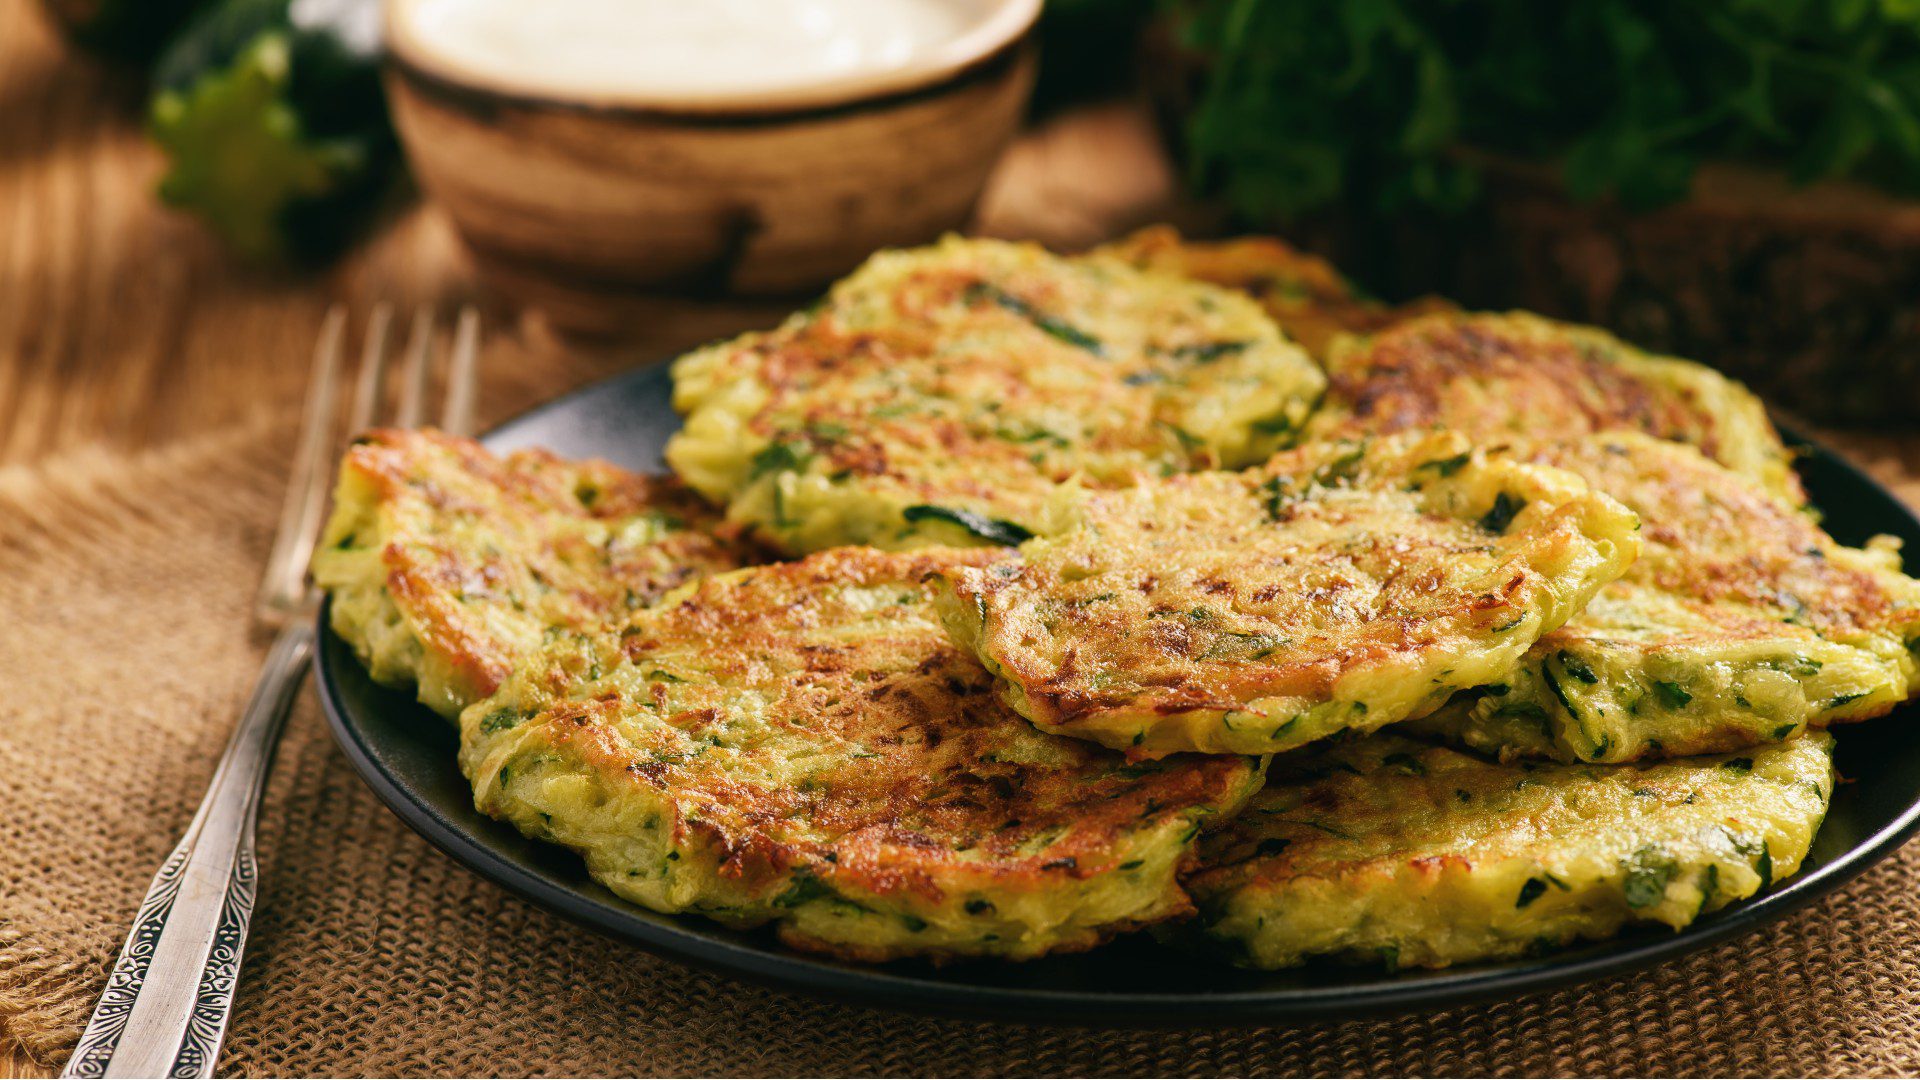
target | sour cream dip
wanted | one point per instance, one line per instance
(693, 52)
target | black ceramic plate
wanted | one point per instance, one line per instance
(407, 755)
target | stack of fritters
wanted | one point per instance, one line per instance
(1092, 549)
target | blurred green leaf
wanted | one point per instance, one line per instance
(238, 152)
(1842, 138)
(1303, 103)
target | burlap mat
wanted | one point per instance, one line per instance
(124, 591)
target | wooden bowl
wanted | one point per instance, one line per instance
(580, 205)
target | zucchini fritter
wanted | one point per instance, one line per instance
(801, 744)
(1389, 850)
(1339, 586)
(447, 563)
(1522, 375)
(1310, 300)
(939, 395)
(1741, 623)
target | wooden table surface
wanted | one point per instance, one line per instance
(123, 327)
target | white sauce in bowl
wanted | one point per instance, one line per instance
(696, 51)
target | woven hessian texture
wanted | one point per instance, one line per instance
(125, 585)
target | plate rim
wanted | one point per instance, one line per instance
(784, 968)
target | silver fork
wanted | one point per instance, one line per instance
(165, 1008)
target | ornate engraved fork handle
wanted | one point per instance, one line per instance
(167, 1000)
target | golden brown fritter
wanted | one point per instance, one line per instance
(446, 564)
(1310, 300)
(800, 744)
(1390, 851)
(1519, 375)
(1426, 364)
(1340, 586)
(939, 396)
(1741, 623)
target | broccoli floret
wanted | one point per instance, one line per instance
(274, 124)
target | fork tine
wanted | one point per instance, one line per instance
(373, 365)
(413, 378)
(283, 585)
(462, 372)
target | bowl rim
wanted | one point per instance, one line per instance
(1004, 25)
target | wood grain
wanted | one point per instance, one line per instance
(577, 209)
